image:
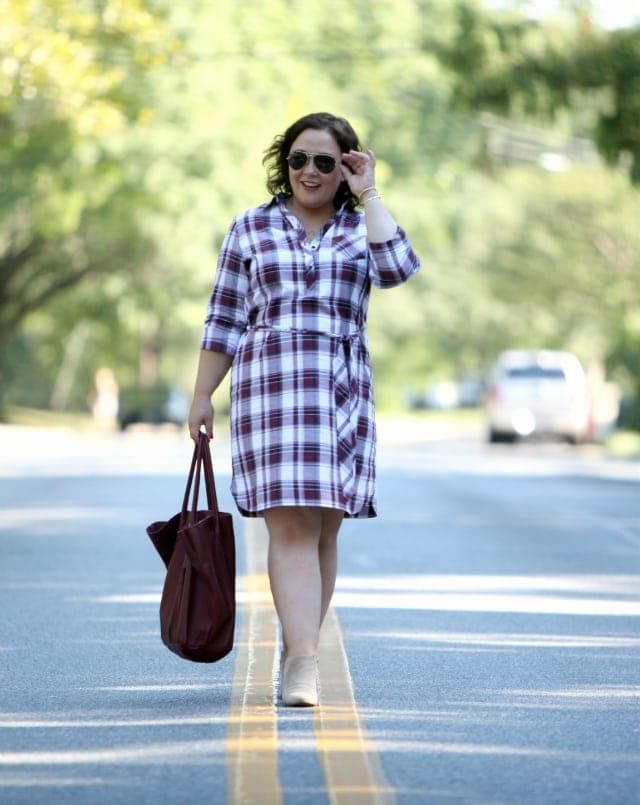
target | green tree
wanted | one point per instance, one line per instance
(523, 67)
(73, 110)
(129, 213)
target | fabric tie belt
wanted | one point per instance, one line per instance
(345, 337)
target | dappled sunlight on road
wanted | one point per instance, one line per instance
(65, 452)
(473, 641)
(610, 595)
(535, 460)
(88, 721)
(515, 654)
(607, 595)
(189, 752)
(40, 519)
(417, 746)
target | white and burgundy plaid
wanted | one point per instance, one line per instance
(293, 313)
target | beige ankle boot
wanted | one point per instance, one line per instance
(300, 681)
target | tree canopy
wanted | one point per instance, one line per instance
(131, 131)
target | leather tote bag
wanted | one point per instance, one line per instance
(198, 606)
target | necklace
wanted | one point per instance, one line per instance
(311, 231)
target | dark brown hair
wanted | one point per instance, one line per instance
(275, 157)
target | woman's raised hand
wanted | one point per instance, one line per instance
(359, 172)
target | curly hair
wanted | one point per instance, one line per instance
(275, 157)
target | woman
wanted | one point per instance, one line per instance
(288, 313)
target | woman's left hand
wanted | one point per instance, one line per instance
(359, 171)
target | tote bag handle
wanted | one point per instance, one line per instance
(200, 462)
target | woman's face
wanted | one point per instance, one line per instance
(312, 189)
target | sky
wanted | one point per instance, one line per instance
(608, 13)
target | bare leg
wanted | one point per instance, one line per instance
(328, 555)
(302, 571)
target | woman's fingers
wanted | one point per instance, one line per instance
(359, 161)
(201, 415)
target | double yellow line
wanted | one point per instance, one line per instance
(347, 756)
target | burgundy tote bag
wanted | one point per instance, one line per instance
(198, 605)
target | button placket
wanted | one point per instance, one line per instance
(310, 259)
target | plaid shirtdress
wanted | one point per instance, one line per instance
(292, 314)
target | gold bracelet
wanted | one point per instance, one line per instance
(371, 198)
(366, 190)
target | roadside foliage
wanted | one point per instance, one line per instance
(131, 131)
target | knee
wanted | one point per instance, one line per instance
(292, 524)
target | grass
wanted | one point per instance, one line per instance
(624, 444)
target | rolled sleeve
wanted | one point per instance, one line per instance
(392, 262)
(226, 316)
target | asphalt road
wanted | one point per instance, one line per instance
(490, 614)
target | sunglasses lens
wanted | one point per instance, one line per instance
(324, 163)
(297, 160)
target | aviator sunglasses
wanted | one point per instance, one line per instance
(325, 163)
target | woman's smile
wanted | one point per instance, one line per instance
(312, 189)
